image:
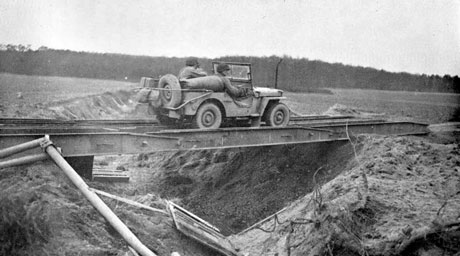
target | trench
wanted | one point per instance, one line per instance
(233, 189)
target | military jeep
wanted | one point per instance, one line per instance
(200, 105)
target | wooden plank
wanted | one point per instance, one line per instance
(200, 230)
(110, 178)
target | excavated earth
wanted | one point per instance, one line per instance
(372, 195)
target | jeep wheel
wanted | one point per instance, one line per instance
(170, 93)
(277, 115)
(208, 116)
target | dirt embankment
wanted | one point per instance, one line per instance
(110, 105)
(401, 197)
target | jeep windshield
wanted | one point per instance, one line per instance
(239, 72)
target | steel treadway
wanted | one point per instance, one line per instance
(106, 137)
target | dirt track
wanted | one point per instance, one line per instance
(395, 191)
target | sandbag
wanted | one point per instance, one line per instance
(213, 83)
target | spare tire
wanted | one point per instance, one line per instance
(170, 91)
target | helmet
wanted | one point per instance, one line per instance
(222, 67)
(192, 61)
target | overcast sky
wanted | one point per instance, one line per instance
(415, 36)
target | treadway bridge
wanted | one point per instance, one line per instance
(81, 140)
(73, 144)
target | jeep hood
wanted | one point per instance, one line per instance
(264, 91)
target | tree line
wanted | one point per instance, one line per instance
(301, 75)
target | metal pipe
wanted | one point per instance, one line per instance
(191, 100)
(21, 147)
(276, 73)
(97, 202)
(24, 160)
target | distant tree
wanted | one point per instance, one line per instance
(11, 47)
(294, 74)
(43, 48)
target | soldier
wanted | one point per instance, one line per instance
(234, 91)
(191, 70)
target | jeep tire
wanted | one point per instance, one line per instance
(277, 115)
(208, 116)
